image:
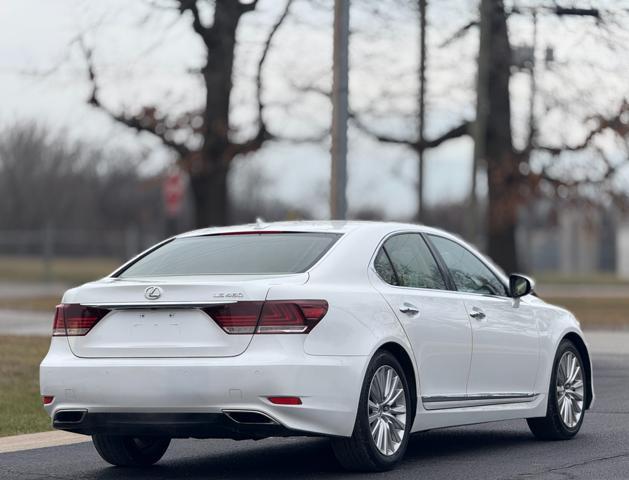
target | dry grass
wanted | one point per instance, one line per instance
(597, 312)
(66, 270)
(21, 409)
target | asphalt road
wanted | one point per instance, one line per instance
(503, 450)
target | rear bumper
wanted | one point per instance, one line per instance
(158, 388)
(173, 425)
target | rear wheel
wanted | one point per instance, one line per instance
(125, 451)
(383, 420)
(566, 397)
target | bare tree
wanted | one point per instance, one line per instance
(545, 161)
(207, 163)
(47, 179)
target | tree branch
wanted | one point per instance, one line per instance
(458, 131)
(455, 132)
(459, 33)
(262, 134)
(197, 24)
(617, 123)
(248, 7)
(610, 171)
(147, 122)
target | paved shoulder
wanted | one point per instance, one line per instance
(25, 322)
(608, 342)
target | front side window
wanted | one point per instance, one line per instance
(469, 273)
(405, 260)
(247, 253)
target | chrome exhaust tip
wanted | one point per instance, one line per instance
(69, 416)
(250, 417)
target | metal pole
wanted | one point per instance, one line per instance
(338, 199)
(533, 87)
(480, 125)
(422, 109)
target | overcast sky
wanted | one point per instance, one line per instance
(146, 59)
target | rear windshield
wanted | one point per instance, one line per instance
(256, 253)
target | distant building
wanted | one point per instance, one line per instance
(572, 237)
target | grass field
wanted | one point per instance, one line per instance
(73, 271)
(21, 409)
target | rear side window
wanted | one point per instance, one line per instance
(406, 261)
(255, 253)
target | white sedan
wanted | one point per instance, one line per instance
(362, 332)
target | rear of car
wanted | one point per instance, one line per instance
(202, 337)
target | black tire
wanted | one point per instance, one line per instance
(552, 426)
(359, 452)
(124, 451)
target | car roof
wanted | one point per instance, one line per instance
(323, 226)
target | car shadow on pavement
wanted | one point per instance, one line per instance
(309, 458)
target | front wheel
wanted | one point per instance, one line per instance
(566, 397)
(383, 420)
(124, 451)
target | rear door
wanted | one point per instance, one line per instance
(505, 336)
(434, 319)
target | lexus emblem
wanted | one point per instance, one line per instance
(152, 293)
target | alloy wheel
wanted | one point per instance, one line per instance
(570, 389)
(387, 410)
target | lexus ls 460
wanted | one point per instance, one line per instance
(361, 332)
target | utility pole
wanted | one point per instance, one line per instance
(422, 109)
(482, 110)
(338, 184)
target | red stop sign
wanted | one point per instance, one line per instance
(174, 189)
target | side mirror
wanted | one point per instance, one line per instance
(519, 285)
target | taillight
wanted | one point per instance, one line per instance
(239, 317)
(75, 320)
(271, 317)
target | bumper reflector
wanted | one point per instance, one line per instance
(285, 400)
(47, 399)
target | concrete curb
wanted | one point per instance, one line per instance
(40, 440)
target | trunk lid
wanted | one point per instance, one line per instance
(162, 316)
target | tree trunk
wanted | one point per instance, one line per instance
(210, 198)
(209, 174)
(494, 134)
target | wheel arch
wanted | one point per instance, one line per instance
(402, 356)
(580, 345)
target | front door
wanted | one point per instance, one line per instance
(504, 331)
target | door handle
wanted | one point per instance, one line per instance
(409, 308)
(477, 314)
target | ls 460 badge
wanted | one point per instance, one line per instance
(229, 295)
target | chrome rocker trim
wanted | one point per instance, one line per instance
(442, 402)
